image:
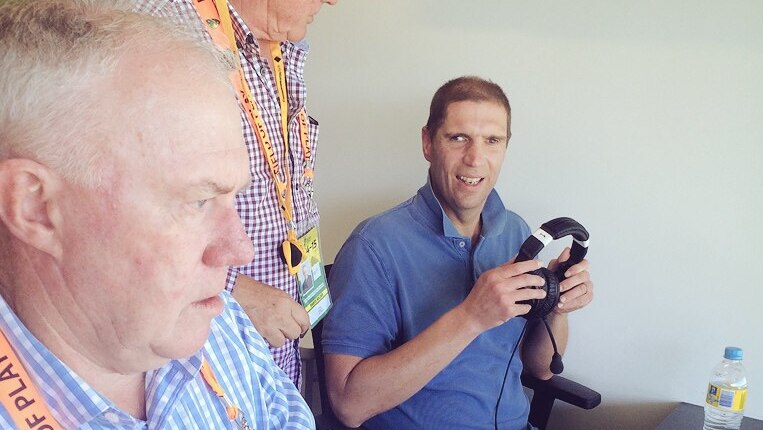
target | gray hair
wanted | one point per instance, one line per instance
(53, 53)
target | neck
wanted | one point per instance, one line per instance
(129, 394)
(255, 15)
(469, 228)
(40, 300)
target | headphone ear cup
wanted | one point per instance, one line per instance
(543, 307)
(553, 293)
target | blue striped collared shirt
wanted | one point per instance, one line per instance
(176, 395)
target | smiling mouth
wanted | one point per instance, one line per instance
(469, 181)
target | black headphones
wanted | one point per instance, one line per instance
(548, 232)
(553, 230)
(540, 308)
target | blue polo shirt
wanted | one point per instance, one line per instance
(399, 272)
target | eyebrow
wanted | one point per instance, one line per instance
(450, 135)
(496, 136)
(215, 188)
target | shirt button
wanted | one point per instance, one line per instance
(462, 244)
(111, 417)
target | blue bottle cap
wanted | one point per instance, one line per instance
(732, 353)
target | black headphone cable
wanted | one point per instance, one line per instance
(556, 364)
(506, 374)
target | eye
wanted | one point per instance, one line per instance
(457, 138)
(497, 140)
(199, 204)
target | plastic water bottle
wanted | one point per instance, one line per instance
(726, 393)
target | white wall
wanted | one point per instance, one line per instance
(642, 120)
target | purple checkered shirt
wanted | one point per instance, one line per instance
(258, 206)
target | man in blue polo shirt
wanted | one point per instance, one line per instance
(427, 293)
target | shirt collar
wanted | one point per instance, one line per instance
(243, 33)
(241, 30)
(493, 214)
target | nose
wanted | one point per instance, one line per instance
(230, 245)
(473, 154)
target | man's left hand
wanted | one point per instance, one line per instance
(577, 288)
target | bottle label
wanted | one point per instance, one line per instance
(731, 399)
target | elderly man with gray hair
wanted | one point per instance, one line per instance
(120, 155)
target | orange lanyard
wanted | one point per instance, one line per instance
(280, 74)
(20, 396)
(219, 25)
(234, 413)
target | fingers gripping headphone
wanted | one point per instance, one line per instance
(552, 230)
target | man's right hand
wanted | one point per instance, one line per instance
(275, 315)
(496, 294)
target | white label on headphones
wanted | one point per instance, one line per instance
(542, 236)
(583, 243)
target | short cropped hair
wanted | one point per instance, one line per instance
(465, 88)
(53, 54)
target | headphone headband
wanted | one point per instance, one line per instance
(553, 230)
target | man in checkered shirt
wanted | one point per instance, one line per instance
(264, 287)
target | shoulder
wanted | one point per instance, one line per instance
(504, 229)
(516, 223)
(252, 377)
(233, 340)
(385, 223)
(161, 8)
(514, 230)
(179, 12)
(372, 241)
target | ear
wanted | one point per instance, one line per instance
(27, 207)
(426, 144)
